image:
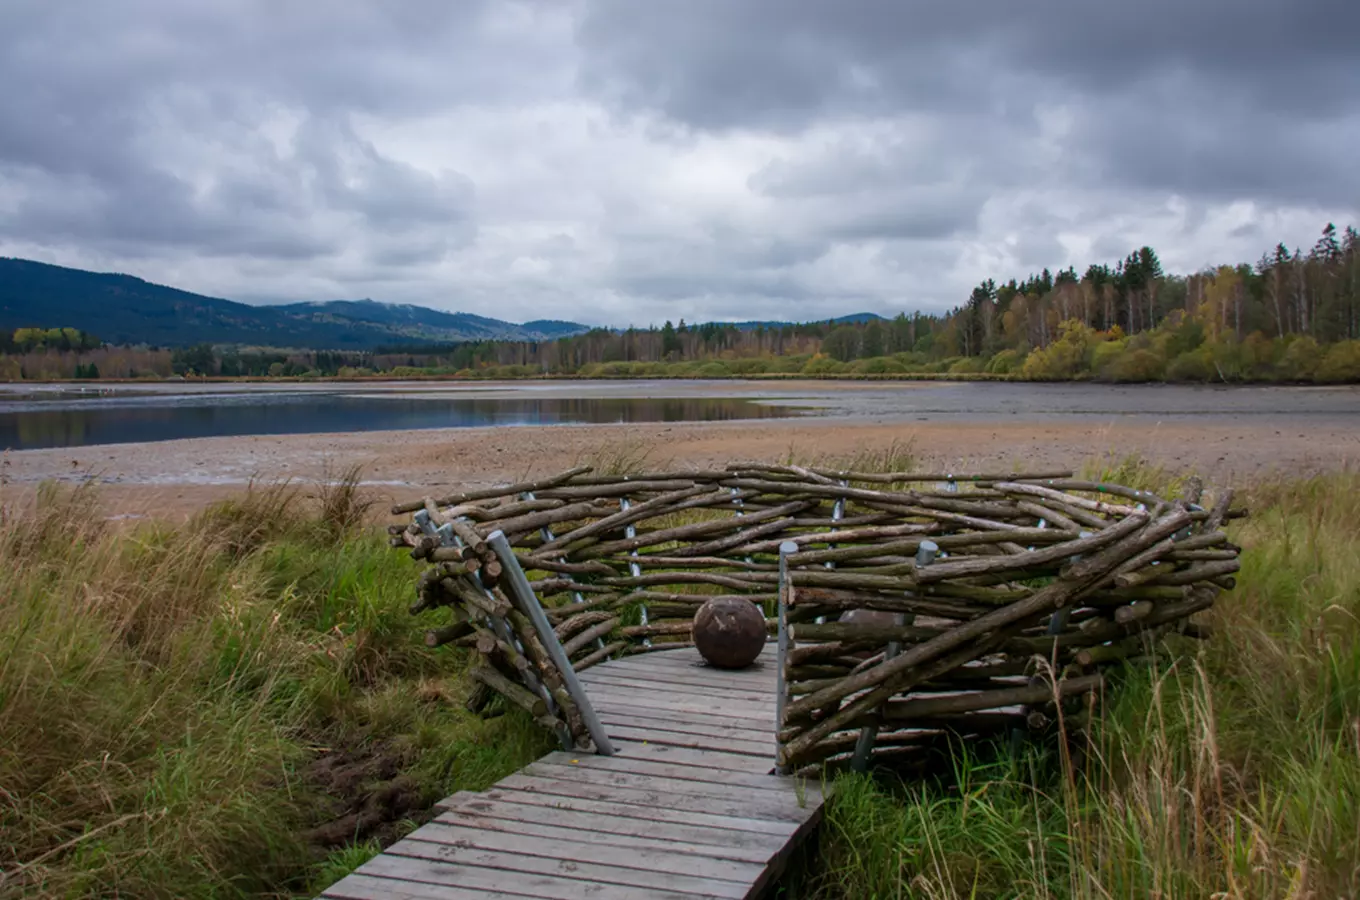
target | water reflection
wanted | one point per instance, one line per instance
(34, 425)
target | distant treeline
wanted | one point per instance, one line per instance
(1291, 316)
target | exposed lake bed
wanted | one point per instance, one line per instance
(1226, 432)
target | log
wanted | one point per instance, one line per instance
(685, 532)
(535, 520)
(495, 649)
(585, 638)
(1056, 595)
(1050, 495)
(1139, 609)
(908, 477)
(857, 633)
(599, 655)
(487, 493)
(537, 562)
(669, 503)
(438, 637)
(568, 627)
(903, 710)
(482, 600)
(944, 542)
(517, 694)
(941, 571)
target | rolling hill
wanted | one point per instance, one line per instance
(123, 309)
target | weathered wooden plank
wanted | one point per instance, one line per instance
(752, 729)
(762, 713)
(608, 865)
(722, 806)
(554, 830)
(763, 685)
(702, 681)
(759, 752)
(721, 824)
(687, 807)
(762, 693)
(653, 769)
(706, 759)
(536, 877)
(604, 818)
(692, 663)
(757, 797)
(370, 887)
(658, 692)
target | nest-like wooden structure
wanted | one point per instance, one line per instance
(910, 607)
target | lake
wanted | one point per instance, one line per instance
(45, 416)
(67, 419)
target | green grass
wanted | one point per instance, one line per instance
(185, 711)
(1233, 771)
(170, 697)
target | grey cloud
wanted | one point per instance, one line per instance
(613, 160)
(715, 63)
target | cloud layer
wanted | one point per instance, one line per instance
(620, 162)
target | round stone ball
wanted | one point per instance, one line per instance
(729, 632)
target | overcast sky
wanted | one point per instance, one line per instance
(629, 161)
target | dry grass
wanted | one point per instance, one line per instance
(165, 691)
(1231, 772)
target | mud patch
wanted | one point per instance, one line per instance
(369, 797)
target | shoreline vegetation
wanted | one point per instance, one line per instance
(243, 706)
(1291, 317)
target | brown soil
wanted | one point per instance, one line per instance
(174, 478)
(371, 797)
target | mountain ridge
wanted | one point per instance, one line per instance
(125, 309)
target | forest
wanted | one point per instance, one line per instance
(1292, 315)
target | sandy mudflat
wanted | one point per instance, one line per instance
(173, 478)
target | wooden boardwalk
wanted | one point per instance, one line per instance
(687, 807)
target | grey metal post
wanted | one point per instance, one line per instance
(634, 569)
(864, 745)
(498, 627)
(837, 513)
(547, 534)
(781, 653)
(529, 601)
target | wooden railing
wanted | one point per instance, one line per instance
(979, 605)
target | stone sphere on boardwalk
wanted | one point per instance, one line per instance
(729, 632)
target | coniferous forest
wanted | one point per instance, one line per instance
(1292, 316)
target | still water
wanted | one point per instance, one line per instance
(71, 419)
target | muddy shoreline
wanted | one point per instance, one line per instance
(173, 478)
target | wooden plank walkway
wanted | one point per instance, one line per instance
(687, 807)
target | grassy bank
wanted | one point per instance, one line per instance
(241, 706)
(1231, 772)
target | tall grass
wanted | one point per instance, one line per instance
(1231, 771)
(167, 694)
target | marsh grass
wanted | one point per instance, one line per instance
(1230, 771)
(167, 693)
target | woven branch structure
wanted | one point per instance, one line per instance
(909, 608)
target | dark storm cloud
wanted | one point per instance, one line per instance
(714, 63)
(636, 160)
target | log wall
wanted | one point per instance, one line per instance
(907, 606)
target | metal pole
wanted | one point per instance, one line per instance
(547, 533)
(498, 626)
(634, 569)
(864, 745)
(837, 513)
(529, 601)
(785, 587)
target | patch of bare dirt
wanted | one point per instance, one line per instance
(369, 795)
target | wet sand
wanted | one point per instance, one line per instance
(174, 478)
